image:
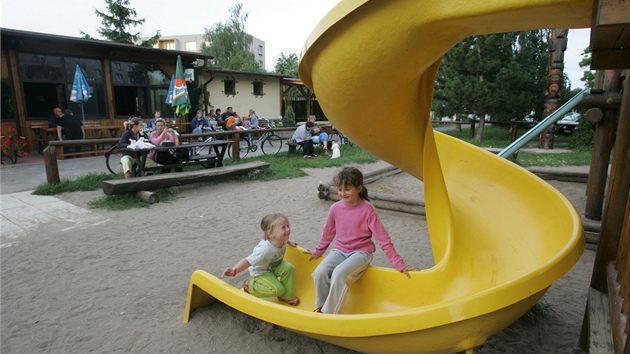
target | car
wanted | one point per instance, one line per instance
(568, 123)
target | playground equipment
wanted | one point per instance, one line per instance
(496, 250)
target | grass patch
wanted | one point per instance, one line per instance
(130, 201)
(89, 182)
(284, 166)
(499, 137)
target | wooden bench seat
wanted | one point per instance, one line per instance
(166, 180)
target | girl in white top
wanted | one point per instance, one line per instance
(272, 276)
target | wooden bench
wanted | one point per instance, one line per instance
(166, 180)
(41, 134)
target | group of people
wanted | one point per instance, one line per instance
(228, 120)
(352, 221)
(309, 134)
(161, 134)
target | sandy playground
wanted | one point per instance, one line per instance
(117, 281)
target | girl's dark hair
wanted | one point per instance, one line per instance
(351, 176)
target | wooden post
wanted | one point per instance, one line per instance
(50, 160)
(617, 195)
(604, 134)
(555, 78)
(148, 196)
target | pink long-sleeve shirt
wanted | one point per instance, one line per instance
(354, 226)
(155, 140)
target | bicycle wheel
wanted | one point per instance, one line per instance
(13, 156)
(335, 137)
(112, 159)
(272, 144)
(245, 146)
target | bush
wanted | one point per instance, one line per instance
(584, 136)
(289, 118)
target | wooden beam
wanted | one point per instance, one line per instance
(166, 180)
(612, 13)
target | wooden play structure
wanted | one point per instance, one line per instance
(496, 249)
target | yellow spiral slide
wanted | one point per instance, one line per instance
(500, 236)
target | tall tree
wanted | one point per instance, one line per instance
(287, 64)
(116, 23)
(499, 75)
(229, 43)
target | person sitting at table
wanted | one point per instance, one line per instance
(157, 114)
(70, 127)
(160, 135)
(199, 124)
(134, 128)
(253, 119)
(319, 137)
(302, 137)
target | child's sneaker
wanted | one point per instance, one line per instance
(294, 302)
(318, 310)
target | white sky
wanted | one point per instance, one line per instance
(283, 25)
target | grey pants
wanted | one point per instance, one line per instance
(333, 275)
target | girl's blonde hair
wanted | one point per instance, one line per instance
(351, 176)
(269, 221)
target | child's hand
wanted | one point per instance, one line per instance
(229, 272)
(292, 243)
(407, 269)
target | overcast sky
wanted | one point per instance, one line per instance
(283, 25)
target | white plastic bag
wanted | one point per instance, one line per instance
(140, 144)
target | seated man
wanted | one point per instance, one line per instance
(199, 124)
(302, 137)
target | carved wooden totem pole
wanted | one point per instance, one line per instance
(555, 78)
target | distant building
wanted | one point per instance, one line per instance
(192, 43)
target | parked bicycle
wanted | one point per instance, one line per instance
(269, 143)
(12, 145)
(337, 137)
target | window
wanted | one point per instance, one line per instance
(47, 82)
(139, 89)
(169, 45)
(6, 105)
(260, 49)
(258, 87)
(191, 46)
(229, 86)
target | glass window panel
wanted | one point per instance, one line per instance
(95, 107)
(6, 105)
(129, 73)
(92, 69)
(36, 67)
(158, 98)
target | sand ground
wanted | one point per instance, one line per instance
(117, 281)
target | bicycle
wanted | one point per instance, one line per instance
(12, 145)
(112, 159)
(269, 143)
(337, 137)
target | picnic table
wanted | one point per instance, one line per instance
(212, 159)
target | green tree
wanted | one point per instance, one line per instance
(116, 23)
(588, 78)
(287, 64)
(500, 75)
(229, 43)
(289, 118)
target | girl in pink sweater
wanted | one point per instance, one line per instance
(353, 222)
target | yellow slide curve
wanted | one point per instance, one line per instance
(500, 235)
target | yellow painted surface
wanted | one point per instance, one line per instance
(500, 236)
